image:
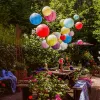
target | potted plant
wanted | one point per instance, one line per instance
(48, 86)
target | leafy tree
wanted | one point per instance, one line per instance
(35, 55)
(97, 22)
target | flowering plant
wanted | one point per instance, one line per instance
(47, 85)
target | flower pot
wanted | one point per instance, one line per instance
(21, 74)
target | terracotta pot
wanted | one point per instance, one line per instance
(21, 74)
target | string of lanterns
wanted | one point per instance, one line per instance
(56, 40)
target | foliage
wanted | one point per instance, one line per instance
(7, 35)
(47, 85)
(35, 55)
(97, 22)
(18, 12)
(87, 56)
(7, 56)
(19, 66)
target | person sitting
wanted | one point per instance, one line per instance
(61, 62)
(67, 63)
(60, 67)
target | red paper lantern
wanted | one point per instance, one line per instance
(42, 30)
(62, 37)
(30, 97)
(79, 25)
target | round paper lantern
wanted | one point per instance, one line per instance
(42, 30)
(76, 17)
(44, 44)
(46, 11)
(71, 33)
(65, 30)
(79, 42)
(79, 25)
(56, 46)
(62, 22)
(35, 19)
(51, 17)
(57, 34)
(51, 40)
(63, 46)
(68, 22)
(62, 37)
(68, 39)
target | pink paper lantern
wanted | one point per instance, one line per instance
(44, 44)
(71, 33)
(51, 17)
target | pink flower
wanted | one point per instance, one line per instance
(58, 97)
(34, 80)
(59, 79)
(37, 72)
(49, 72)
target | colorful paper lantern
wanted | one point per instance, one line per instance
(62, 37)
(79, 25)
(44, 44)
(76, 17)
(57, 34)
(65, 30)
(71, 33)
(42, 30)
(63, 46)
(56, 46)
(51, 40)
(62, 22)
(46, 11)
(68, 39)
(51, 17)
(68, 22)
(35, 19)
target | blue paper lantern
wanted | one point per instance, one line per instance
(76, 17)
(68, 22)
(68, 39)
(35, 19)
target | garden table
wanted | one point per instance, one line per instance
(66, 74)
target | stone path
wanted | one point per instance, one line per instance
(16, 96)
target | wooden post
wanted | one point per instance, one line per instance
(18, 44)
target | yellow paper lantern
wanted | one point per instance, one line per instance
(65, 30)
(46, 11)
(62, 22)
(51, 40)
